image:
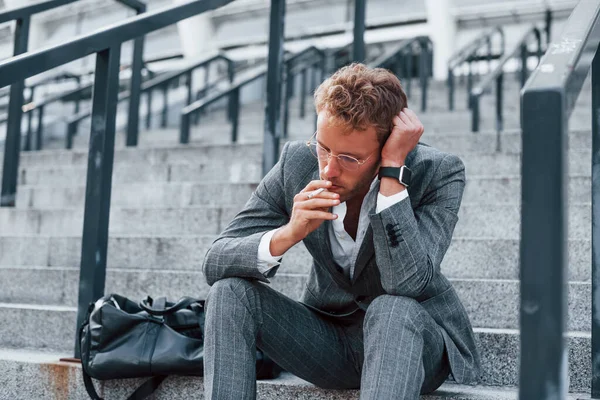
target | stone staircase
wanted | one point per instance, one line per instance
(170, 201)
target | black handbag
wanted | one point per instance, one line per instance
(154, 338)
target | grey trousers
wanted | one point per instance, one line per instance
(393, 351)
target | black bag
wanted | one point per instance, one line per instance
(155, 338)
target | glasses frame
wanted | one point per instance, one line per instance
(359, 163)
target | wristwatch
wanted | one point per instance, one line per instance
(403, 174)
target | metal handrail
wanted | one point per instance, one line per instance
(107, 44)
(398, 55)
(23, 17)
(497, 77)
(232, 92)
(547, 101)
(162, 81)
(469, 53)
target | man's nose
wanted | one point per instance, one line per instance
(332, 169)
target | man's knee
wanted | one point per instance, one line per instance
(399, 310)
(233, 291)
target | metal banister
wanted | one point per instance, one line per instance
(107, 44)
(22, 16)
(496, 77)
(162, 81)
(469, 54)
(233, 90)
(396, 55)
(547, 101)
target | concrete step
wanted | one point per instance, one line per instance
(467, 257)
(479, 189)
(483, 220)
(33, 374)
(139, 195)
(490, 303)
(504, 221)
(499, 348)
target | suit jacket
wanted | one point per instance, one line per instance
(400, 254)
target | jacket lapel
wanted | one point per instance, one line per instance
(366, 252)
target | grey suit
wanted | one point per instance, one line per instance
(397, 292)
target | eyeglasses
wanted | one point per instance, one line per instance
(322, 154)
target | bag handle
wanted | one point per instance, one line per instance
(150, 306)
(142, 392)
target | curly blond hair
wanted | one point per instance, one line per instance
(357, 97)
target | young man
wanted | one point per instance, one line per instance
(376, 313)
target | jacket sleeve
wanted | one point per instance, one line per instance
(410, 244)
(234, 253)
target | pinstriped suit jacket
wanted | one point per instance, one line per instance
(400, 254)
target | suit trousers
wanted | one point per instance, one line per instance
(394, 350)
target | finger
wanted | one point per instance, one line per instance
(316, 184)
(414, 119)
(316, 203)
(406, 120)
(318, 215)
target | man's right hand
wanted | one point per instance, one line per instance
(307, 215)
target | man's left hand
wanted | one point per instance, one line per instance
(406, 133)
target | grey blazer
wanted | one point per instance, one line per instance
(400, 255)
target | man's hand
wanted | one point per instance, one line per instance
(308, 213)
(405, 135)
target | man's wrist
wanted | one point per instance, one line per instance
(281, 242)
(397, 163)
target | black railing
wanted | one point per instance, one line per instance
(496, 78)
(472, 53)
(547, 102)
(106, 43)
(162, 83)
(412, 57)
(307, 58)
(22, 16)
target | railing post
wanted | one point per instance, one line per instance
(303, 94)
(474, 103)
(165, 109)
(40, 129)
(184, 129)
(450, 89)
(235, 102)
(149, 109)
(358, 46)
(133, 118)
(499, 109)
(543, 250)
(286, 100)
(595, 226)
(548, 26)
(71, 131)
(190, 95)
(523, 56)
(94, 245)
(12, 145)
(469, 82)
(29, 137)
(78, 96)
(274, 76)
(423, 73)
(408, 54)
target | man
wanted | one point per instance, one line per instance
(376, 313)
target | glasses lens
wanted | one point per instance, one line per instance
(348, 162)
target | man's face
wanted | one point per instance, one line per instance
(358, 144)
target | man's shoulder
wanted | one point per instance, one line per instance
(298, 159)
(428, 156)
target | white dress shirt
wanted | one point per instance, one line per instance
(343, 247)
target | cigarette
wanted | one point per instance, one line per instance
(316, 193)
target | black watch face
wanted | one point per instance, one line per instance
(406, 175)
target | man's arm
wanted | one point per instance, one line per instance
(422, 236)
(234, 253)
